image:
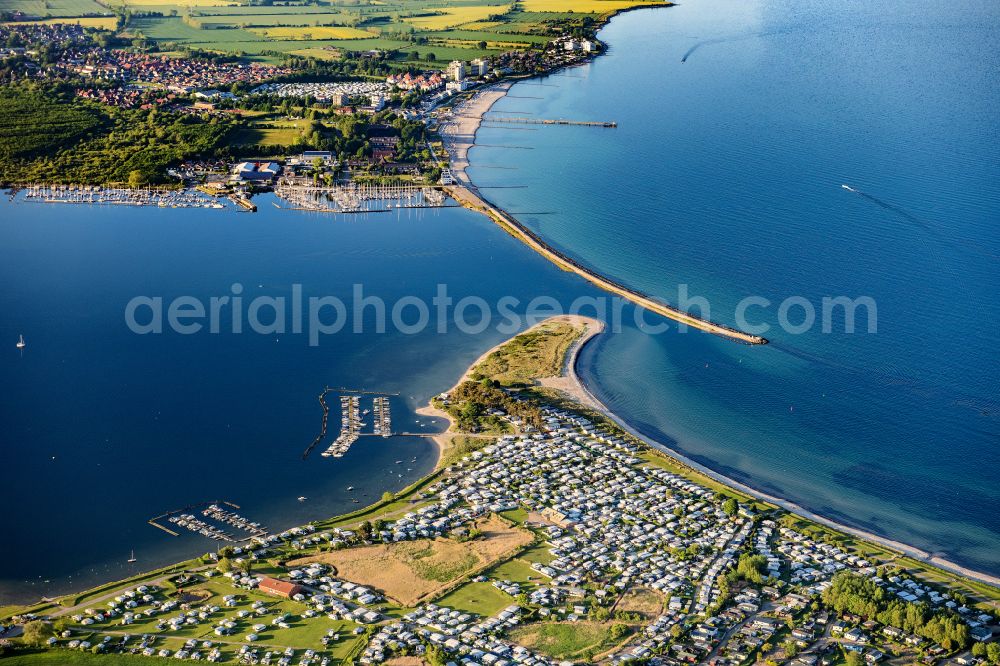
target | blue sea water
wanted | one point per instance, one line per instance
(102, 429)
(724, 174)
(738, 123)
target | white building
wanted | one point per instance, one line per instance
(478, 67)
(456, 70)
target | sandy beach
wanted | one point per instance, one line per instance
(459, 131)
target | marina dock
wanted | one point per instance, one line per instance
(352, 420)
(359, 198)
(214, 516)
(120, 196)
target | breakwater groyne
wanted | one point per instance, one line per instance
(470, 198)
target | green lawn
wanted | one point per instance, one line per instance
(479, 598)
(517, 570)
(76, 658)
(539, 553)
(564, 640)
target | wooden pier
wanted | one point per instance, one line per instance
(547, 121)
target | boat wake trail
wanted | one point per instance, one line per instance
(723, 40)
(960, 244)
(890, 207)
(692, 50)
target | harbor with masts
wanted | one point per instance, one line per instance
(350, 426)
(383, 417)
(121, 196)
(214, 522)
(352, 420)
(359, 197)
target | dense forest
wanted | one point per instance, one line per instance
(46, 134)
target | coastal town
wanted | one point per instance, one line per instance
(546, 535)
(230, 112)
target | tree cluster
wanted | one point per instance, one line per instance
(853, 593)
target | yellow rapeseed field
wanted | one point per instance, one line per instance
(454, 16)
(579, 6)
(105, 22)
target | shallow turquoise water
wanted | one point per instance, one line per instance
(738, 122)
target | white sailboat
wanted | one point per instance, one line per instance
(132, 559)
(20, 342)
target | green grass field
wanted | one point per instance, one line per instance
(76, 658)
(307, 33)
(564, 640)
(479, 598)
(54, 8)
(517, 570)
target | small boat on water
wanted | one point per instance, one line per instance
(350, 488)
(21, 344)
(303, 498)
(132, 559)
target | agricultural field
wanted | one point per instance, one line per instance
(580, 6)
(441, 18)
(312, 33)
(208, 18)
(54, 8)
(411, 31)
(170, 4)
(492, 39)
(102, 22)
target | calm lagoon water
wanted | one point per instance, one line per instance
(103, 429)
(738, 122)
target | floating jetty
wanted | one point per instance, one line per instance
(475, 201)
(97, 195)
(352, 420)
(212, 513)
(216, 512)
(350, 426)
(383, 418)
